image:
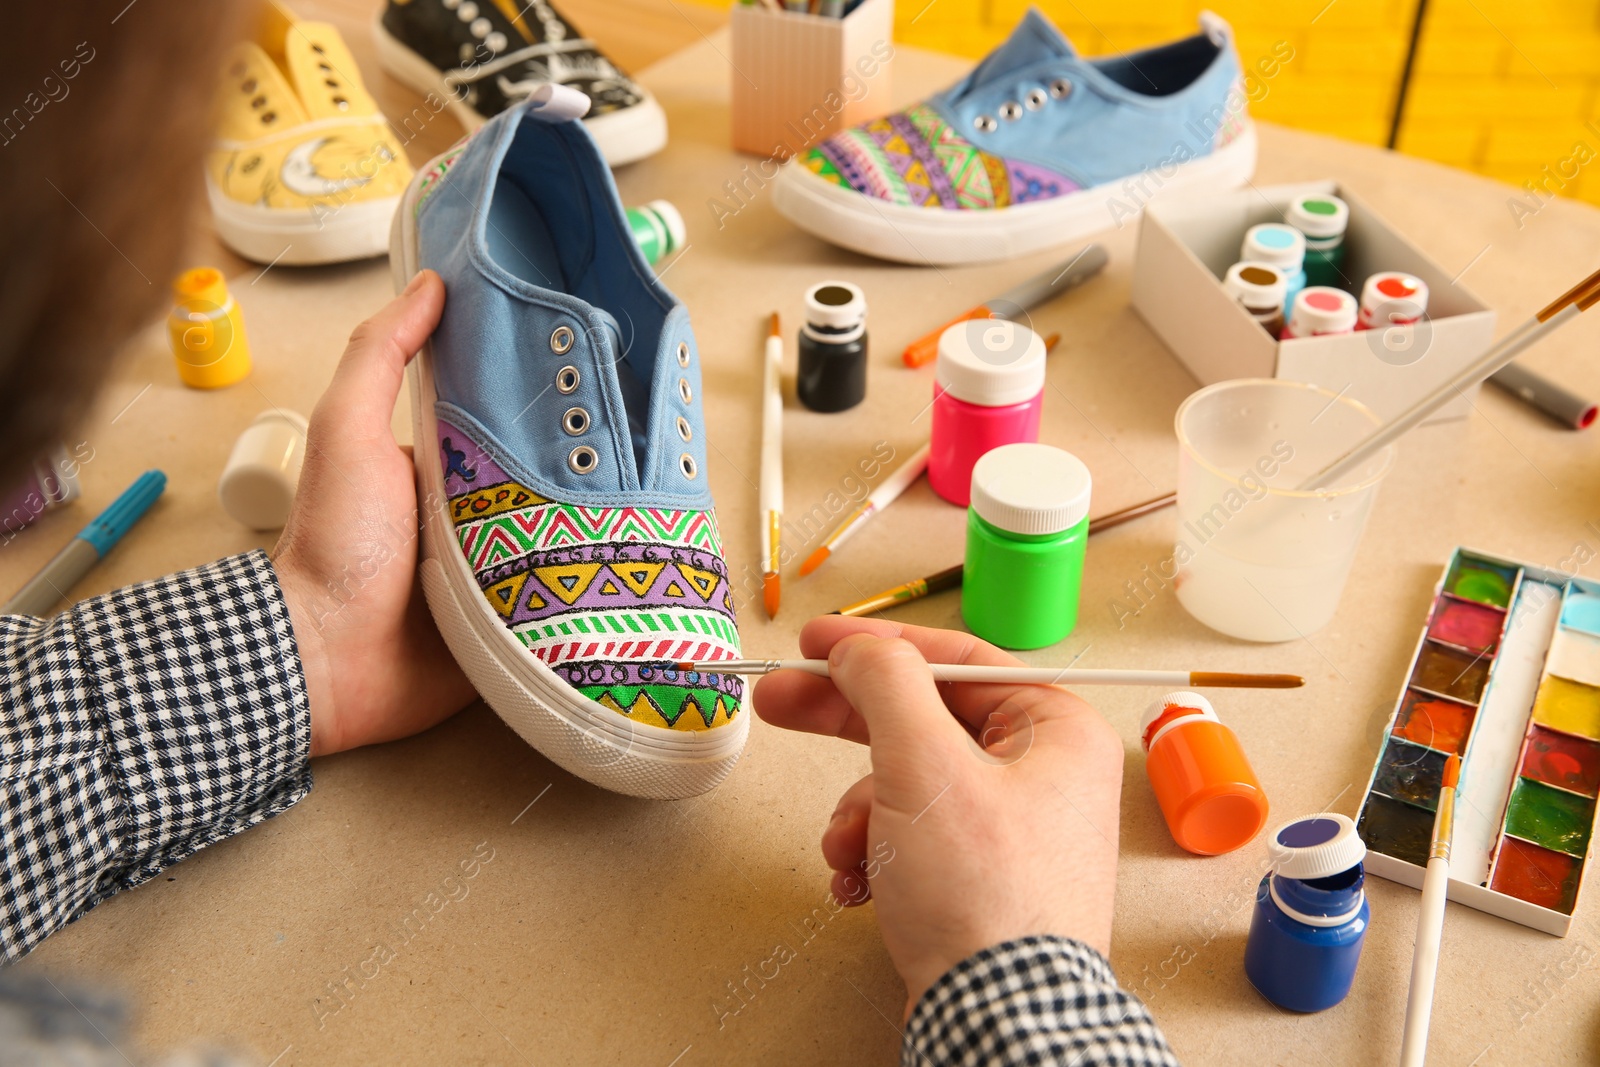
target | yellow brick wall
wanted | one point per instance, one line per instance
(1506, 88)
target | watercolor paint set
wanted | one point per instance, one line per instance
(1506, 675)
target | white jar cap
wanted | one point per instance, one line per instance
(1318, 215)
(1256, 285)
(1030, 489)
(263, 471)
(990, 362)
(836, 312)
(677, 232)
(1393, 298)
(1316, 846)
(1190, 702)
(1273, 242)
(1322, 309)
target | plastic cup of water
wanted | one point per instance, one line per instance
(1257, 557)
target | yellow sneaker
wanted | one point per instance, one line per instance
(304, 169)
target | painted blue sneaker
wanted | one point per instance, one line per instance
(569, 547)
(1034, 148)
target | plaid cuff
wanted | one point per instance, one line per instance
(1035, 1000)
(136, 729)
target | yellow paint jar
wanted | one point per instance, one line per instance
(206, 331)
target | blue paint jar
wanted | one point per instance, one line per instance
(1311, 915)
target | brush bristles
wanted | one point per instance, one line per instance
(1452, 772)
(1230, 680)
(815, 560)
(770, 591)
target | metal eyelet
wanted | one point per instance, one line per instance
(467, 12)
(561, 340)
(1061, 88)
(583, 459)
(480, 27)
(684, 392)
(575, 421)
(324, 68)
(318, 49)
(1011, 111)
(687, 464)
(683, 353)
(268, 118)
(985, 124)
(1037, 98)
(249, 86)
(496, 41)
(567, 380)
(341, 103)
(238, 70)
(258, 103)
(685, 431)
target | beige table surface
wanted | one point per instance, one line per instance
(608, 930)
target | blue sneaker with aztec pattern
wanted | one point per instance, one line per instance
(569, 546)
(1036, 147)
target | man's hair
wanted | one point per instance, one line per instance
(104, 111)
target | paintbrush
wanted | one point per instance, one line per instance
(1563, 309)
(967, 672)
(1430, 922)
(772, 467)
(950, 577)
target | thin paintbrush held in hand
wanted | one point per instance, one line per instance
(962, 672)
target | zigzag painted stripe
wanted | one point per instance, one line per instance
(567, 650)
(491, 540)
(646, 624)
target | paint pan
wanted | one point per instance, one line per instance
(1505, 674)
(1437, 722)
(1570, 763)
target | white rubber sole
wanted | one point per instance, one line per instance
(358, 229)
(624, 136)
(907, 234)
(581, 736)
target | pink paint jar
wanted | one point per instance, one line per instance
(988, 390)
(1320, 310)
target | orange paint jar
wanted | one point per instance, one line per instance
(1210, 797)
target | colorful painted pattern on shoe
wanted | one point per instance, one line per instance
(915, 158)
(602, 595)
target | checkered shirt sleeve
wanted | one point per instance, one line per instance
(137, 728)
(1035, 1000)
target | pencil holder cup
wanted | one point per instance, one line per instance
(800, 78)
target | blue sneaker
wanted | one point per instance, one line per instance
(1035, 147)
(569, 545)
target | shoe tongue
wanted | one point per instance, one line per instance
(1034, 40)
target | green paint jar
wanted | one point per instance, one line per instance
(1322, 218)
(1027, 527)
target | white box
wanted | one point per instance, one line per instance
(1187, 244)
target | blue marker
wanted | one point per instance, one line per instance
(47, 587)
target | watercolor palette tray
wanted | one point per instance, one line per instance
(1506, 675)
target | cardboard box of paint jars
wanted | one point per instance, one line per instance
(1186, 246)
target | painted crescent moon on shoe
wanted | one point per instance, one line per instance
(299, 173)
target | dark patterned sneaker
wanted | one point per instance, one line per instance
(486, 56)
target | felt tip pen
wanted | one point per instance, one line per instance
(1556, 401)
(1013, 302)
(46, 589)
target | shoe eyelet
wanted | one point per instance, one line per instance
(1037, 98)
(248, 86)
(467, 11)
(583, 459)
(480, 27)
(268, 118)
(575, 421)
(685, 431)
(567, 380)
(1061, 88)
(341, 103)
(561, 340)
(318, 49)
(683, 353)
(332, 83)
(324, 67)
(238, 70)
(451, 5)
(259, 102)
(496, 41)
(985, 124)
(684, 392)
(1011, 111)
(687, 464)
